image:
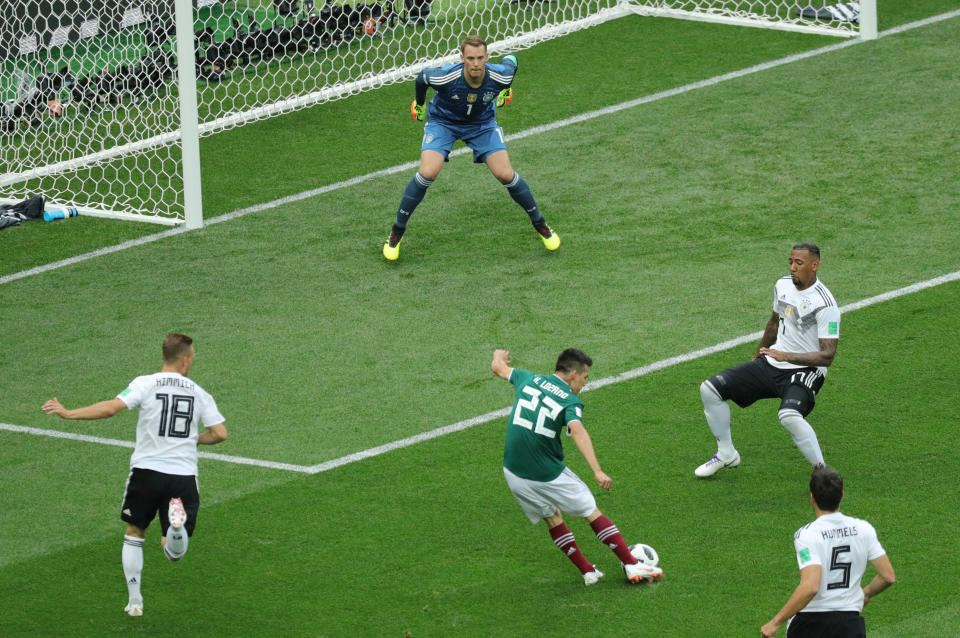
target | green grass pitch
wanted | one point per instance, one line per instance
(676, 217)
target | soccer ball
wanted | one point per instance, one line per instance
(645, 554)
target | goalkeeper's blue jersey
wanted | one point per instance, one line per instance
(456, 102)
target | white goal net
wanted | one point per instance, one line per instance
(91, 103)
(824, 18)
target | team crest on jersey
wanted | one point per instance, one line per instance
(471, 98)
(488, 97)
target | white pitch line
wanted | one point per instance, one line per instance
(496, 414)
(490, 416)
(623, 376)
(410, 440)
(739, 341)
(73, 436)
(536, 130)
(65, 435)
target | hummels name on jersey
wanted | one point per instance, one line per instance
(838, 532)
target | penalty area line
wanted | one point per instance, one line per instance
(489, 416)
(73, 436)
(619, 378)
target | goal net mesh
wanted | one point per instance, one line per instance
(90, 115)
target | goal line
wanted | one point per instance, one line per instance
(537, 130)
(105, 112)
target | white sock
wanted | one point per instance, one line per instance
(132, 559)
(803, 435)
(177, 541)
(717, 412)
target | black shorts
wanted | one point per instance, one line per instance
(827, 624)
(748, 382)
(149, 492)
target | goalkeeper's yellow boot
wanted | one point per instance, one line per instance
(391, 247)
(551, 240)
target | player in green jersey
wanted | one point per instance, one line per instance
(545, 406)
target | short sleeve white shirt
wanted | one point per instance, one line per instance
(842, 546)
(171, 408)
(806, 316)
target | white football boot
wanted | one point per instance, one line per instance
(716, 464)
(641, 573)
(591, 578)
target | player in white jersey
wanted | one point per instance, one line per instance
(832, 553)
(163, 466)
(798, 344)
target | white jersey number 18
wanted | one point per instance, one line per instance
(176, 415)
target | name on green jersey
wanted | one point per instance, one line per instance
(551, 388)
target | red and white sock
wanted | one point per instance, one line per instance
(563, 538)
(610, 536)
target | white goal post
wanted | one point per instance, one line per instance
(103, 102)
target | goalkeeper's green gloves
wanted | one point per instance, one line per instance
(504, 97)
(510, 57)
(418, 111)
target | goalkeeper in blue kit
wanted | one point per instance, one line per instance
(464, 108)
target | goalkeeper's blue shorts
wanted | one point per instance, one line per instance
(483, 139)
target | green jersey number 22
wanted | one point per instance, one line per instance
(544, 407)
